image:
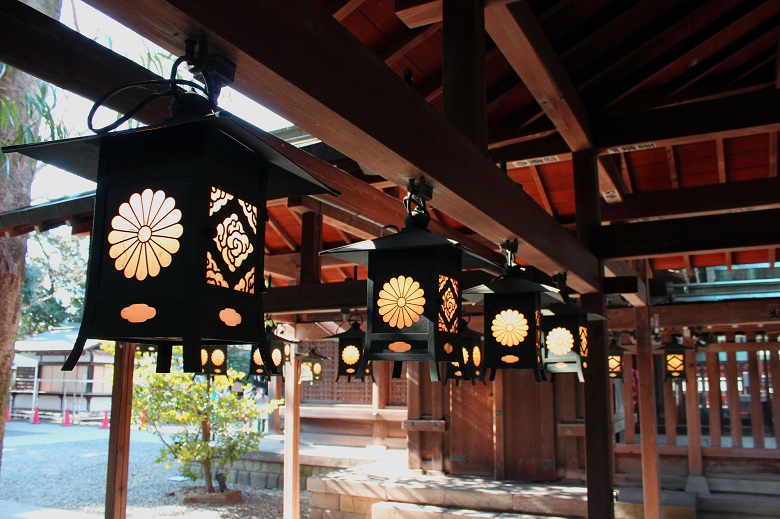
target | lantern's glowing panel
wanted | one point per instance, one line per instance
(144, 235)
(449, 297)
(509, 327)
(230, 317)
(213, 360)
(350, 355)
(138, 313)
(399, 347)
(559, 341)
(615, 365)
(401, 302)
(276, 356)
(675, 364)
(583, 341)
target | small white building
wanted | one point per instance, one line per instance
(39, 382)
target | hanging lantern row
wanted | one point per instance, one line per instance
(193, 187)
(351, 347)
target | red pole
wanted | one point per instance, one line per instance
(36, 417)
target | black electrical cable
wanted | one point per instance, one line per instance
(173, 90)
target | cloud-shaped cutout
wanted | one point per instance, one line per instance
(230, 317)
(510, 359)
(138, 313)
(399, 347)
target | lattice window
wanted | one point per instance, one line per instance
(398, 389)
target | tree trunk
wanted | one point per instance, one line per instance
(205, 428)
(14, 193)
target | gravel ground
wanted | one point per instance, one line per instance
(72, 476)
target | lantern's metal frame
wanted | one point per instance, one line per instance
(674, 356)
(615, 360)
(311, 365)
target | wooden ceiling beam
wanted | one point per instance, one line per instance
(696, 201)
(282, 268)
(516, 31)
(736, 116)
(400, 47)
(720, 152)
(723, 313)
(340, 9)
(541, 189)
(336, 217)
(773, 162)
(715, 233)
(311, 84)
(315, 298)
(621, 269)
(419, 13)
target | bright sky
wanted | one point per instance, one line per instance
(50, 182)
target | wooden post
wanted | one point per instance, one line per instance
(277, 385)
(499, 471)
(756, 413)
(414, 412)
(311, 245)
(774, 369)
(463, 71)
(651, 485)
(714, 397)
(670, 412)
(119, 432)
(292, 439)
(735, 415)
(437, 439)
(380, 397)
(628, 397)
(598, 413)
(696, 481)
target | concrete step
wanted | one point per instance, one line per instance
(396, 510)
(722, 505)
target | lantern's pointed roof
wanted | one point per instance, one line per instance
(572, 309)
(512, 284)
(407, 239)
(353, 332)
(80, 155)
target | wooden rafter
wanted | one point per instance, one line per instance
(611, 184)
(516, 31)
(541, 189)
(672, 162)
(724, 313)
(641, 76)
(279, 267)
(310, 84)
(773, 162)
(626, 173)
(399, 47)
(757, 38)
(720, 152)
(343, 8)
(284, 235)
(340, 219)
(418, 13)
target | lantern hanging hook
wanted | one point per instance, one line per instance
(509, 248)
(419, 193)
(560, 283)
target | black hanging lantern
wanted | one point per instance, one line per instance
(311, 366)
(674, 356)
(213, 360)
(513, 319)
(351, 346)
(413, 289)
(566, 336)
(176, 255)
(469, 366)
(615, 360)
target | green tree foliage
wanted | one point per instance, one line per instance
(55, 279)
(212, 425)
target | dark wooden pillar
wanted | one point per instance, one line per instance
(598, 412)
(119, 433)
(311, 245)
(463, 72)
(380, 397)
(651, 484)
